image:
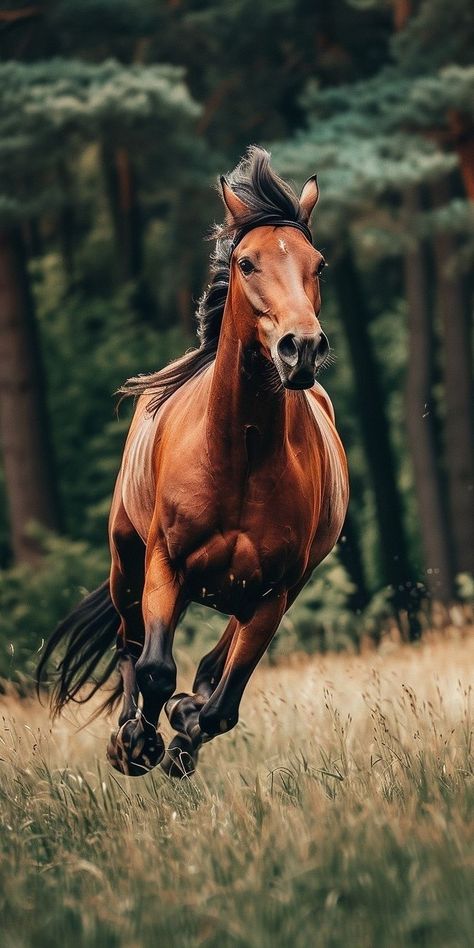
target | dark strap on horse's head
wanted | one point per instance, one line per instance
(269, 222)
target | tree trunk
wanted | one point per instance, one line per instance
(125, 211)
(351, 557)
(454, 308)
(374, 425)
(31, 233)
(462, 129)
(27, 457)
(402, 10)
(420, 418)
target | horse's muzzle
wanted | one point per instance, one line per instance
(300, 358)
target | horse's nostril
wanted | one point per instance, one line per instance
(322, 348)
(287, 349)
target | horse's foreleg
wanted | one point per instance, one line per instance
(251, 640)
(203, 719)
(155, 669)
(183, 709)
(211, 666)
(138, 747)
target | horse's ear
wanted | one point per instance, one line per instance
(235, 206)
(309, 196)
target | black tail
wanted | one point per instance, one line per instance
(88, 633)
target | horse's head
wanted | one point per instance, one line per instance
(274, 286)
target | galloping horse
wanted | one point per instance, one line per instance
(233, 485)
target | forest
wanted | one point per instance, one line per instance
(116, 119)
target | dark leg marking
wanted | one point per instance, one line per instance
(135, 748)
(211, 666)
(183, 710)
(221, 711)
(138, 747)
(130, 687)
(156, 671)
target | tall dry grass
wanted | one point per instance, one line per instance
(338, 813)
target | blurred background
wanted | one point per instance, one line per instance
(115, 118)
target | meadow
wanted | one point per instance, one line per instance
(338, 812)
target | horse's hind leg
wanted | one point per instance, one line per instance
(131, 751)
(126, 581)
(183, 710)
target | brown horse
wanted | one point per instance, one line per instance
(233, 485)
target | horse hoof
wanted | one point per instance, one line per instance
(180, 759)
(134, 750)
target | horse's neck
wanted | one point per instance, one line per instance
(242, 406)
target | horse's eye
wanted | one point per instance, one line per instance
(321, 266)
(246, 266)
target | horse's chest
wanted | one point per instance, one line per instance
(233, 550)
(231, 570)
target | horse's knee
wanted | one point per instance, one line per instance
(213, 721)
(156, 680)
(204, 684)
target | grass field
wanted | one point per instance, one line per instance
(338, 813)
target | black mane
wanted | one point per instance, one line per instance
(269, 199)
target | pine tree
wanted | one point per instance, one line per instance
(24, 431)
(48, 112)
(375, 143)
(420, 411)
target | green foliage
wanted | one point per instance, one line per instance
(35, 598)
(51, 109)
(370, 136)
(370, 144)
(91, 345)
(438, 33)
(117, 20)
(321, 619)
